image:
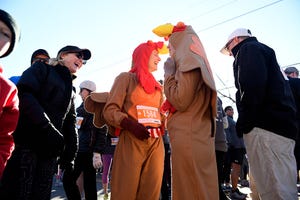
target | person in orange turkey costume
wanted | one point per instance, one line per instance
(133, 109)
(192, 101)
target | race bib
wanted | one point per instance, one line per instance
(114, 141)
(148, 116)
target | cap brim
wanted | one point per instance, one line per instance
(85, 53)
(225, 51)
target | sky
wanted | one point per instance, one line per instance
(112, 29)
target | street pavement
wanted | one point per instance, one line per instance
(58, 192)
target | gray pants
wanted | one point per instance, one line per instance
(272, 165)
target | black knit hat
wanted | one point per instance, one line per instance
(12, 25)
(37, 53)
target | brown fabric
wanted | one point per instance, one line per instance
(190, 54)
(192, 92)
(94, 104)
(138, 162)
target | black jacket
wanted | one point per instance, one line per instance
(295, 86)
(103, 143)
(264, 97)
(91, 138)
(47, 106)
(86, 130)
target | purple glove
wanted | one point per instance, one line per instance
(135, 128)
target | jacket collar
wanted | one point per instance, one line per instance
(236, 49)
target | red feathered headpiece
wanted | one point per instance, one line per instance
(140, 60)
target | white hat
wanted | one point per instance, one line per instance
(90, 85)
(237, 33)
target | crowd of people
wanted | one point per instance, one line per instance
(169, 139)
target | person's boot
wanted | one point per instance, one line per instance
(105, 191)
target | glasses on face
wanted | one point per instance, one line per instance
(228, 43)
(80, 56)
(45, 60)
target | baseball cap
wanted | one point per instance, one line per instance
(39, 52)
(74, 49)
(90, 85)
(236, 33)
(290, 70)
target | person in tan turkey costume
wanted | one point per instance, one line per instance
(191, 102)
(133, 109)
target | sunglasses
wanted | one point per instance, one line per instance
(45, 60)
(228, 43)
(80, 56)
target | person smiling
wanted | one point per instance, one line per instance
(132, 107)
(46, 128)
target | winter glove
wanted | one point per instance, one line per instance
(169, 67)
(135, 128)
(97, 163)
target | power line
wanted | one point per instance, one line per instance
(231, 19)
(226, 96)
(210, 27)
(290, 65)
(213, 10)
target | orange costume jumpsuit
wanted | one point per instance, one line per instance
(138, 164)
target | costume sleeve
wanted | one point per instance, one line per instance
(180, 89)
(113, 108)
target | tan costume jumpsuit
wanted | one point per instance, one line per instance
(191, 128)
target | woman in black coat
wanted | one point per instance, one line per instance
(46, 127)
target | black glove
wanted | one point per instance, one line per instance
(135, 128)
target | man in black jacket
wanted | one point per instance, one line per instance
(293, 74)
(83, 164)
(46, 127)
(267, 116)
